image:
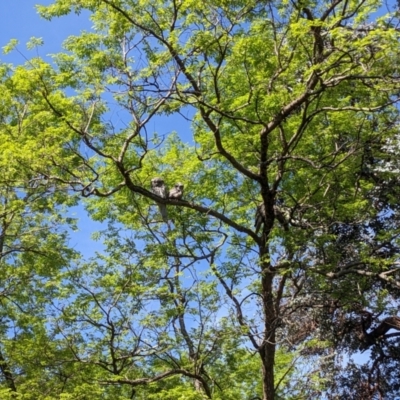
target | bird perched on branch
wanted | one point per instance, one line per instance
(177, 192)
(158, 187)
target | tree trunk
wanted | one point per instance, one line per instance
(267, 350)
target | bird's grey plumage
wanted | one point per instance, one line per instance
(260, 217)
(158, 187)
(176, 192)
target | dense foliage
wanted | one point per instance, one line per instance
(294, 122)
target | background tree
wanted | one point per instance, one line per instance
(294, 108)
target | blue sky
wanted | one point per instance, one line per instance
(19, 20)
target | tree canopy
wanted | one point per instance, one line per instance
(276, 275)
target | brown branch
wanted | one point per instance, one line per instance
(380, 332)
(238, 307)
(218, 141)
(387, 324)
(146, 381)
(204, 210)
